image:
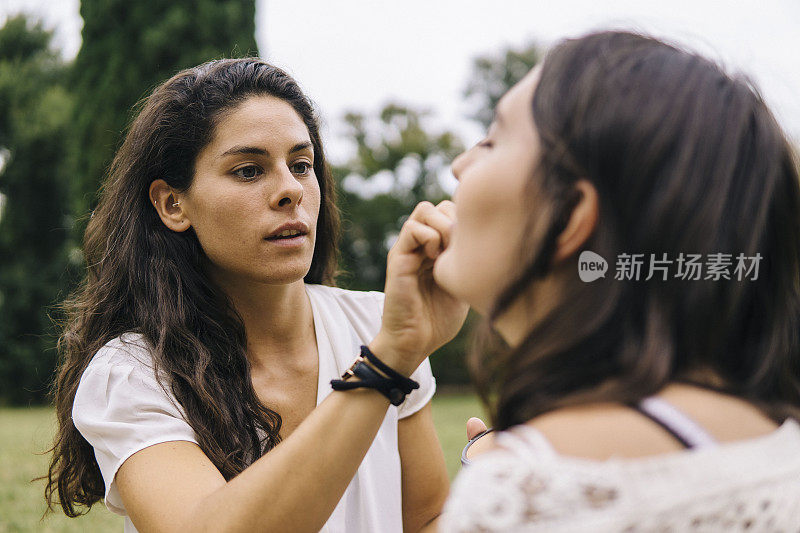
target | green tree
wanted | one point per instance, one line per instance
(494, 74)
(399, 162)
(397, 165)
(35, 109)
(129, 48)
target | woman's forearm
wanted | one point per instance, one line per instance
(297, 484)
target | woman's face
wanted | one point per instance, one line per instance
(254, 181)
(492, 209)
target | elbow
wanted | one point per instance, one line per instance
(422, 523)
(432, 526)
(425, 517)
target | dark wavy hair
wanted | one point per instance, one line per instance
(143, 277)
(686, 159)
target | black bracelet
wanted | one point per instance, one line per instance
(393, 385)
(406, 384)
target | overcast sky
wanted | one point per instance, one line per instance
(358, 55)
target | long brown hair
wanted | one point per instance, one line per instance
(686, 159)
(144, 278)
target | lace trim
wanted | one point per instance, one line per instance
(748, 485)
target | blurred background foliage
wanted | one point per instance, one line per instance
(60, 123)
(35, 113)
(128, 49)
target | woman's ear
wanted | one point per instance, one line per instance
(167, 204)
(582, 221)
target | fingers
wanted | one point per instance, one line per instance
(421, 236)
(448, 208)
(428, 230)
(440, 218)
(474, 427)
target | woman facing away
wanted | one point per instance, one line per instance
(194, 392)
(663, 398)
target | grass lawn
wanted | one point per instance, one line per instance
(450, 414)
(23, 432)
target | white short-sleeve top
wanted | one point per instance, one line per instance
(120, 408)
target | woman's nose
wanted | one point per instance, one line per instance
(458, 164)
(289, 192)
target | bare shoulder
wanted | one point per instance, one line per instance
(604, 430)
(600, 431)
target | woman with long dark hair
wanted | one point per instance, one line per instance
(630, 227)
(194, 388)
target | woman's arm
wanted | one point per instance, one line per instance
(425, 482)
(173, 486)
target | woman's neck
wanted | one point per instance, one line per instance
(528, 309)
(277, 318)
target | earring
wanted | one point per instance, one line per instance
(176, 204)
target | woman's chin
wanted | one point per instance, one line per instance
(448, 277)
(443, 275)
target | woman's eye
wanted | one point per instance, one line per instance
(301, 168)
(248, 173)
(485, 143)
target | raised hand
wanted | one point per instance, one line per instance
(418, 316)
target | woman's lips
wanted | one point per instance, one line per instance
(296, 226)
(288, 242)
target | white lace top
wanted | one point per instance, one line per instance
(524, 485)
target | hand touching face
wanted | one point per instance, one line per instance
(492, 208)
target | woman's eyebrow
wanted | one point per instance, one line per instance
(299, 147)
(244, 150)
(253, 150)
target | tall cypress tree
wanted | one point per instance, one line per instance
(35, 110)
(129, 48)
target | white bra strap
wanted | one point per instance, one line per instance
(678, 423)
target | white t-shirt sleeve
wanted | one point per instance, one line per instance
(422, 375)
(421, 396)
(120, 408)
